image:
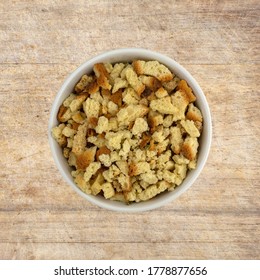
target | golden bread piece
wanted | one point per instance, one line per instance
(190, 128)
(83, 83)
(176, 139)
(84, 159)
(194, 113)
(134, 81)
(150, 82)
(163, 106)
(190, 147)
(130, 113)
(102, 75)
(64, 114)
(80, 142)
(182, 85)
(96, 186)
(153, 68)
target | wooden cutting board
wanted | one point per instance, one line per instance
(41, 217)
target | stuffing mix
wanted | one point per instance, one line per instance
(129, 130)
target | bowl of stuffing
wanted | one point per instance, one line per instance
(130, 130)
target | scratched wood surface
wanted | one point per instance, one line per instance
(41, 42)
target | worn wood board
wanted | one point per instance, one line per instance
(41, 42)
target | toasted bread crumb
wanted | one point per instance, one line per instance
(115, 73)
(80, 181)
(194, 113)
(190, 128)
(58, 136)
(140, 126)
(176, 139)
(180, 101)
(83, 83)
(84, 159)
(102, 75)
(102, 125)
(76, 104)
(153, 68)
(123, 166)
(64, 114)
(171, 85)
(190, 147)
(150, 82)
(96, 187)
(130, 96)
(68, 132)
(163, 105)
(130, 113)
(78, 118)
(108, 190)
(68, 100)
(182, 85)
(138, 168)
(161, 92)
(153, 190)
(119, 84)
(79, 142)
(91, 108)
(91, 170)
(134, 82)
(101, 151)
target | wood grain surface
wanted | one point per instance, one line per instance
(41, 42)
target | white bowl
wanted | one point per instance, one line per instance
(126, 55)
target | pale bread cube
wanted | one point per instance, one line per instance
(96, 187)
(190, 128)
(130, 113)
(102, 125)
(91, 108)
(163, 105)
(190, 147)
(108, 190)
(91, 170)
(134, 82)
(153, 68)
(140, 126)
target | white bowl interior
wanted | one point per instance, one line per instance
(126, 55)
